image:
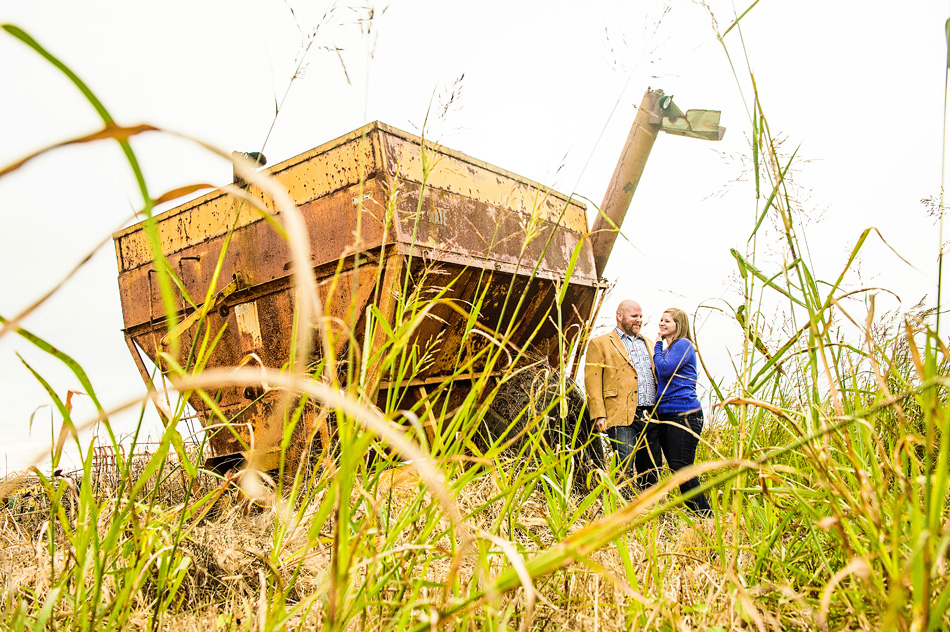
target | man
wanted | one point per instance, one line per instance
(621, 393)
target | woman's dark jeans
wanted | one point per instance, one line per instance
(679, 437)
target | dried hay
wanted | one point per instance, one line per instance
(670, 574)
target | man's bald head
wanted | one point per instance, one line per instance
(629, 317)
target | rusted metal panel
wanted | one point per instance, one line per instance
(463, 230)
(454, 172)
(202, 220)
(345, 297)
(347, 162)
(491, 216)
(249, 326)
(258, 252)
(343, 163)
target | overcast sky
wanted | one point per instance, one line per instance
(547, 89)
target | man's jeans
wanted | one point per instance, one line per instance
(679, 437)
(637, 447)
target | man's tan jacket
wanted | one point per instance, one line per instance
(610, 379)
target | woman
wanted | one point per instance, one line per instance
(678, 406)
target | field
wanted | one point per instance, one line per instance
(826, 460)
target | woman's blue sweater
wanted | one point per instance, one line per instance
(676, 377)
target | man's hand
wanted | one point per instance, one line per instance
(600, 424)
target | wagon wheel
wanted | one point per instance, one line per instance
(567, 426)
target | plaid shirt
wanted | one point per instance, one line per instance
(638, 353)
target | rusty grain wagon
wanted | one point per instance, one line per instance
(387, 214)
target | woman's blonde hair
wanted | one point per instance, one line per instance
(682, 324)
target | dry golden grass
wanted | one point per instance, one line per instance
(682, 582)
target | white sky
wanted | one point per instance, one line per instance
(549, 92)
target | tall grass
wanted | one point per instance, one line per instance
(827, 471)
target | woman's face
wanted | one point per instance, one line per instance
(667, 327)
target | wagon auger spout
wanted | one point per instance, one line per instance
(657, 113)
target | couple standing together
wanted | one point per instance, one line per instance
(644, 396)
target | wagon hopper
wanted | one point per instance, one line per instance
(369, 233)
